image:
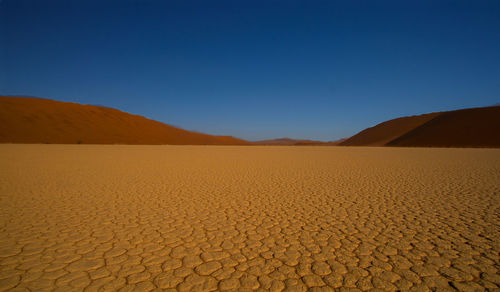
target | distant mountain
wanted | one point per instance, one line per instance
(475, 127)
(279, 141)
(37, 120)
(288, 142)
(296, 142)
(336, 142)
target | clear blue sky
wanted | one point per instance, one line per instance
(255, 69)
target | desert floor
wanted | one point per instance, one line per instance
(244, 218)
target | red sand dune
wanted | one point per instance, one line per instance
(476, 127)
(385, 132)
(37, 120)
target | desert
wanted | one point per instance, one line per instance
(167, 145)
(207, 218)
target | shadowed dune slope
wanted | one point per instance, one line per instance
(37, 120)
(385, 132)
(478, 127)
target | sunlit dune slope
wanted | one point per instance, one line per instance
(36, 120)
(476, 127)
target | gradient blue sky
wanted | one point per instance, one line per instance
(255, 69)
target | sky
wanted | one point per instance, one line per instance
(255, 69)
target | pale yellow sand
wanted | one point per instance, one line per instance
(223, 217)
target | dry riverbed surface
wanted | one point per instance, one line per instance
(141, 218)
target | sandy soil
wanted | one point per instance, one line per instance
(215, 218)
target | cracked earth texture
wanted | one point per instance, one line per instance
(203, 218)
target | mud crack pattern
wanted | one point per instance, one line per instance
(205, 218)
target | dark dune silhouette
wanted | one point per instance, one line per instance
(385, 132)
(38, 120)
(475, 127)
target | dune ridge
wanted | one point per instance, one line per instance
(38, 120)
(475, 127)
(479, 127)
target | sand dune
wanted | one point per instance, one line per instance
(138, 218)
(36, 120)
(385, 132)
(476, 127)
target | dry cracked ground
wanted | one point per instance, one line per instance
(203, 218)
